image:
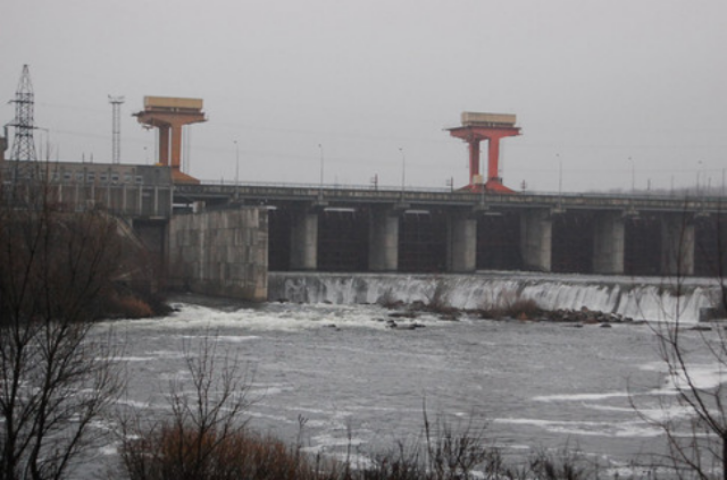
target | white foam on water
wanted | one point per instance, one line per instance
(328, 440)
(659, 367)
(236, 339)
(133, 403)
(626, 429)
(266, 416)
(633, 472)
(700, 375)
(664, 412)
(651, 299)
(580, 397)
(168, 354)
(108, 451)
(271, 317)
(263, 392)
(373, 408)
(136, 359)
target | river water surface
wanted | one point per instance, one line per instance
(362, 386)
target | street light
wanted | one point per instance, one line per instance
(633, 176)
(403, 168)
(237, 162)
(237, 169)
(699, 171)
(322, 162)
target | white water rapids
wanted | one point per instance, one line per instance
(641, 298)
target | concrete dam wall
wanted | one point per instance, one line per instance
(223, 253)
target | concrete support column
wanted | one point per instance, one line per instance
(164, 145)
(383, 241)
(677, 245)
(474, 145)
(176, 161)
(609, 238)
(304, 241)
(536, 231)
(461, 244)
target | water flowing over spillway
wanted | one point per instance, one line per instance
(654, 299)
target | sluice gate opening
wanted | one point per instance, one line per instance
(279, 239)
(422, 242)
(342, 240)
(572, 243)
(643, 245)
(710, 250)
(498, 242)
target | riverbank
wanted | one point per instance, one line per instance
(131, 302)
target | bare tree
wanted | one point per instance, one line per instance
(204, 434)
(55, 381)
(697, 445)
(695, 423)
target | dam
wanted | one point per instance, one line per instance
(225, 238)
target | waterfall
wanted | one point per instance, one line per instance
(640, 298)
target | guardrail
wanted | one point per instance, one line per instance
(691, 196)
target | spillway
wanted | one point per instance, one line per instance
(641, 298)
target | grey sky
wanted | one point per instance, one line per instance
(593, 83)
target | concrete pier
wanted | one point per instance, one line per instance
(536, 233)
(461, 244)
(608, 243)
(222, 253)
(304, 240)
(383, 240)
(677, 241)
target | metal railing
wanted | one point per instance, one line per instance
(690, 195)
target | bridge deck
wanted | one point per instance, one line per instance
(347, 197)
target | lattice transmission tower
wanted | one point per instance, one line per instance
(24, 125)
(116, 128)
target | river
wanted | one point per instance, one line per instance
(327, 355)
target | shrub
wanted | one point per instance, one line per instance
(437, 302)
(510, 305)
(182, 452)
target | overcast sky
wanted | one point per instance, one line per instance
(615, 91)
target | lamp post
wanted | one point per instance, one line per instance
(320, 146)
(633, 176)
(403, 168)
(699, 171)
(237, 162)
(237, 168)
